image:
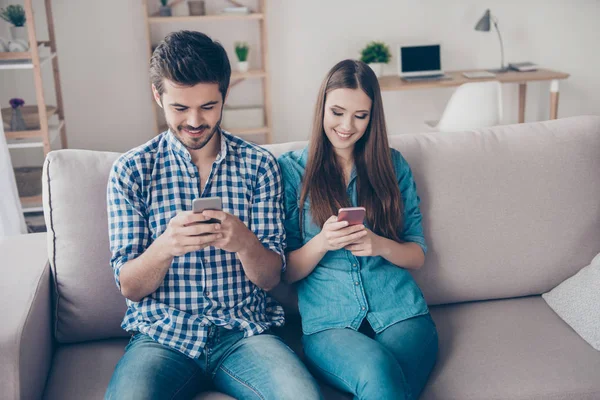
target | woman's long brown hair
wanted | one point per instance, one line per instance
(377, 188)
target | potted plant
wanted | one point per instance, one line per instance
(17, 123)
(165, 10)
(376, 54)
(241, 50)
(15, 14)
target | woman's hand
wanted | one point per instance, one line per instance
(368, 245)
(337, 235)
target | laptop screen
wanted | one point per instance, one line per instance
(421, 58)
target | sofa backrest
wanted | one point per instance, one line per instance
(507, 211)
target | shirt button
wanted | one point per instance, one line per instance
(193, 175)
(363, 308)
(353, 265)
(356, 283)
(207, 293)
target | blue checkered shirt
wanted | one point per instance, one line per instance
(147, 187)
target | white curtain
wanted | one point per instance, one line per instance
(12, 221)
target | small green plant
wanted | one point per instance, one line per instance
(241, 50)
(164, 2)
(15, 14)
(375, 52)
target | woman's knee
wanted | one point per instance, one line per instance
(381, 377)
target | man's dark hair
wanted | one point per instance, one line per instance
(188, 58)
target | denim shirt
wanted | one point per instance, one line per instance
(344, 289)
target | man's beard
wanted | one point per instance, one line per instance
(195, 143)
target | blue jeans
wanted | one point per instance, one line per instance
(394, 364)
(256, 367)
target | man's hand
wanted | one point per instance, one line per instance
(336, 235)
(235, 236)
(184, 234)
(368, 245)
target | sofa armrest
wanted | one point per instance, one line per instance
(25, 322)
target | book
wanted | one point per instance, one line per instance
(523, 66)
(236, 10)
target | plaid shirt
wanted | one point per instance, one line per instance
(147, 187)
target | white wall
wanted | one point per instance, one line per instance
(104, 72)
(556, 34)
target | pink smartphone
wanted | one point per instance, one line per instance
(354, 215)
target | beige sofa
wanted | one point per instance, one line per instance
(509, 213)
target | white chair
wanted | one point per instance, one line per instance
(472, 105)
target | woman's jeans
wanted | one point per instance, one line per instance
(393, 364)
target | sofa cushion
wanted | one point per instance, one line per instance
(510, 349)
(87, 303)
(503, 349)
(577, 302)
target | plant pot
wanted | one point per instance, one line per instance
(196, 7)
(242, 66)
(165, 11)
(377, 68)
(19, 33)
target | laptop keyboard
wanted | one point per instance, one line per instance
(436, 77)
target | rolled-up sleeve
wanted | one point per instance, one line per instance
(413, 228)
(127, 221)
(291, 184)
(268, 210)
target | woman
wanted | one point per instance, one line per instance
(367, 329)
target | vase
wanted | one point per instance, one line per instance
(17, 123)
(242, 66)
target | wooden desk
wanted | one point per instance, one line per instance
(395, 83)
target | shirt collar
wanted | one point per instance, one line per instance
(179, 149)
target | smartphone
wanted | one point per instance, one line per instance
(207, 203)
(354, 215)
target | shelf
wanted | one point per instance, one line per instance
(25, 55)
(32, 203)
(23, 63)
(29, 139)
(32, 209)
(29, 113)
(216, 17)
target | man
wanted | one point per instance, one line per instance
(196, 292)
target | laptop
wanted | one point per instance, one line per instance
(418, 63)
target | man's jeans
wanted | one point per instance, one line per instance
(394, 364)
(257, 367)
